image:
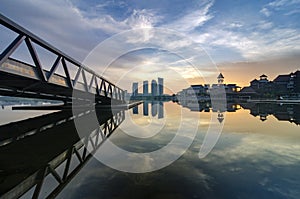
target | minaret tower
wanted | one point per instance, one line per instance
(220, 79)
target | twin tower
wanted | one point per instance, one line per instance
(157, 88)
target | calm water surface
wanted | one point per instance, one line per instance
(252, 159)
(256, 156)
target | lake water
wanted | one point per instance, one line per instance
(256, 156)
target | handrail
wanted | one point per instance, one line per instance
(29, 37)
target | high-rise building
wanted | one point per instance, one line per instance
(153, 88)
(135, 88)
(160, 86)
(145, 88)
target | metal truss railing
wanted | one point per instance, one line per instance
(96, 84)
(82, 150)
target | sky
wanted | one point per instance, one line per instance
(185, 42)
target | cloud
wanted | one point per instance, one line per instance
(142, 19)
(287, 6)
(58, 22)
(235, 25)
(264, 25)
(251, 39)
(266, 12)
(70, 29)
(258, 149)
(76, 27)
(193, 19)
(282, 3)
(106, 23)
(282, 41)
(257, 41)
(292, 12)
(138, 19)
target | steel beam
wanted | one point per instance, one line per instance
(35, 59)
(11, 48)
(54, 67)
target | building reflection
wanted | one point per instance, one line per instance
(160, 110)
(282, 112)
(145, 108)
(33, 150)
(135, 110)
(220, 116)
(156, 107)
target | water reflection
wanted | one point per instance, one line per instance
(154, 108)
(160, 110)
(135, 110)
(40, 155)
(281, 111)
(157, 108)
(145, 108)
(252, 159)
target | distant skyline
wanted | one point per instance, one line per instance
(148, 88)
(243, 38)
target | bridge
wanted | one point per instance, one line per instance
(18, 78)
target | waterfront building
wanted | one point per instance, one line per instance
(288, 83)
(145, 88)
(154, 88)
(135, 88)
(160, 86)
